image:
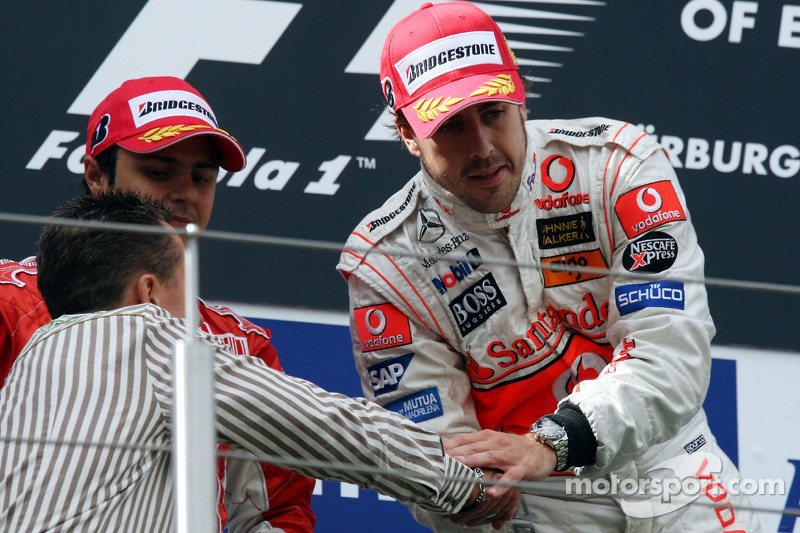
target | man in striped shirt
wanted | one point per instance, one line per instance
(102, 373)
(159, 136)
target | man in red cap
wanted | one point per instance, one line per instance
(502, 289)
(159, 137)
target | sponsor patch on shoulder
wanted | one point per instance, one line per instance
(418, 407)
(381, 326)
(654, 252)
(648, 207)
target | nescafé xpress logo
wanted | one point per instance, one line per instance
(654, 252)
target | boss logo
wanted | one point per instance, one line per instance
(474, 306)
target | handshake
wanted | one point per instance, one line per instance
(497, 457)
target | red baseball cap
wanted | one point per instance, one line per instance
(445, 57)
(148, 114)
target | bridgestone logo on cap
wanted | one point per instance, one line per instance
(448, 54)
(164, 104)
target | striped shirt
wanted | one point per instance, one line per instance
(107, 377)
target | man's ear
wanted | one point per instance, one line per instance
(407, 134)
(94, 177)
(145, 290)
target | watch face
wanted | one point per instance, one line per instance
(549, 429)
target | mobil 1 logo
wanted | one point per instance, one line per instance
(654, 252)
(475, 305)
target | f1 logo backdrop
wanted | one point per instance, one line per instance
(234, 31)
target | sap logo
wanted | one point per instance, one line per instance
(632, 298)
(475, 305)
(386, 376)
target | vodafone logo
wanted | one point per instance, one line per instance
(648, 207)
(381, 326)
(558, 172)
(368, 321)
(566, 173)
(649, 200)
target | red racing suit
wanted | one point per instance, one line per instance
(458, 323)
(252, 499)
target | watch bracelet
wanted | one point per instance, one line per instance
(481, 492)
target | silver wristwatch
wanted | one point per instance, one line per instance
(552, 434)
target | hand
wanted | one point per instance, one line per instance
(520, 457)
(496, 509)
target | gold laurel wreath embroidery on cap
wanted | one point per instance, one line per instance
(428, 109)
(501, 84)
(159, 134)
(510, 51)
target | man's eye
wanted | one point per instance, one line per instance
(157, 174)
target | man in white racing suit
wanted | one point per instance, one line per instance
(541, 280)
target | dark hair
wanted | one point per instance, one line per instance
(84, 269)
(107, 163)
